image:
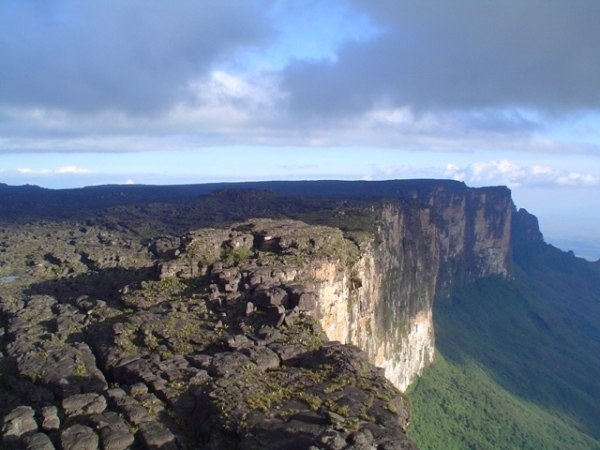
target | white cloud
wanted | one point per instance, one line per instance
(490, 172)
(64, 170)
(28, 171)
(515, 175)
(541, 170)
(454, 172)
(71, 169)
(578, 179)
(129, 181)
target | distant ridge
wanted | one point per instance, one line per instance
(34, 201)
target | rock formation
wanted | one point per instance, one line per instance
(263, 334)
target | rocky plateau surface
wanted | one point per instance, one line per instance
(212, 339)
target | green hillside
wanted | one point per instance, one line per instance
(518, 363)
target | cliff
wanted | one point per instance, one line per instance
(253, 316)
(216, 350)
(382, 302)
(475, 229)
(448, 236)
(377, 292)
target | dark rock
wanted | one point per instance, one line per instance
(239, 341)
(229, 363)
(333, 440)
(272, 296)
(269, 334)
(115, 394)
(79, 437)
(362, 439)
(217, 372)
(138, 389)
(305, 298)
(141, 369)
(276, 315)
(199, 378)
(263, 357)
(17, 423)
(261, 278)
(240, 240)
(290, 317)
(165, 246)
(289, 354)
(228, 280)
(115, 439)
(83, 404)
(65, 371)
(307, 301)
(49, 418)
(155, 436)
(85, 303)
(200, 361)
(128, 406)
(37, 441)
(115, 432)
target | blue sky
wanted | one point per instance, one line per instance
(144, 91)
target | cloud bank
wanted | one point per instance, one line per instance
(431, 75)
(130, 56)
(472, 54)
(513, 175)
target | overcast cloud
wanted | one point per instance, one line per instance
(130, 56)
(463, 55)
(385, 72)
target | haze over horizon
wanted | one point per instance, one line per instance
(183, 92)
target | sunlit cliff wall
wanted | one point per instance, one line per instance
(380, 295)
(384, 302)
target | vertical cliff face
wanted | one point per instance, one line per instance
(449, 236)
(377, 294)
(383, 302)
(475, 232)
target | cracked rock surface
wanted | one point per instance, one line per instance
(187, 342)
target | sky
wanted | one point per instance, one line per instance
(189, 91)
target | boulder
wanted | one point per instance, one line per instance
(37, 441)
(155, 436)
(228, 363)
(17, 423)
(115, 432)
(49, 418)
(83, 404)
(263, 357)
(79, 437)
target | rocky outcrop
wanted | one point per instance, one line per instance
(376, 294)
(221, 352)
(525, 229)
(263, 334)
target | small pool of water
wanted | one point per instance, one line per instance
(9, 279)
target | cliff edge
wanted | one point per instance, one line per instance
(258, 334)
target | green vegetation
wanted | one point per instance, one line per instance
(80, 371)
(202, 250)
(234, 256)
(460, 406)
(162, 289)
(517, 362)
